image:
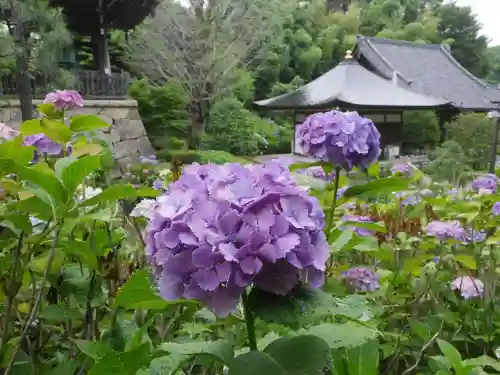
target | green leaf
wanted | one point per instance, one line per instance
(95, 350)
(17, 223)
(254, 363)
(127, 363)
(56, 130)
(81, 123)
(467, 260)
(302, 306)
(376, 227)
(138, 293)
(14, 150)
(483, 361)
(74, 174)
(166, 365)
(364, 359)
(222, 350)
(31, 127)
(65, 368)
(305, 354)
(39, 263)
(48, 183)
(141, 336)
(344, 335)
(83, 251)
(377, 187)
(341, 241)
(112, 194)
(374, 170)
(451, 353)
(59, 314)
(48, 109)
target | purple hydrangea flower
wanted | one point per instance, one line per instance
(487, 183)
(45, 145)
(318, 172)
(401, 168)
(344, 139)
(496, 209)
(341, 191)
(446, 230)
(472, 236)
(468, 287)
(361, 279)
(158, 184)
(220, 228)
(426, 193)
(411, 200)
(65, 99)
(151, 159)
(358, 219)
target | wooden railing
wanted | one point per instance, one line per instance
(90, 84)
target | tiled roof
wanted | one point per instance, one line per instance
(428, 69)
(351, 86)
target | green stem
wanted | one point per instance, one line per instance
(249, 322)
(331, 212)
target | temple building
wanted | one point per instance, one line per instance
(382, 78)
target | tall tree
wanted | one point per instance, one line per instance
(460, 26)
(203, 44)
(37, 33)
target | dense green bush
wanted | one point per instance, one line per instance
(420, 130)
(474, 132)
(231, 128)
(448, 163)
(163, 110)
(200, 156)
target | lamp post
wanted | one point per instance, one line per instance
(496, 116)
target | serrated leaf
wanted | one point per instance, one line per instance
(483, 361)
(75, 172)
(38, 178)
(48, 109)
(31, 127)
(87, 149)
(305, 354)
(467, 260)
(376, 227)
(14, 150)
(166, 365)
(58, 313)
(16, 222)
(115, 193)
(222, 350)
(375, 188)
(345, 335)
(81, 123)
(138, 293)
(56, 130)
(83, 251)
(95, 350)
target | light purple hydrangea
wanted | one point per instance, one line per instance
(318, 172)
(496, 209)
(361, 279)
(468, 287)
(64, 99)
(401, 169)
(158, 185)
(344, 139)
(358, 219)
(341, 191)
(473, 236)
(220, 228)
(426, 193)
(446, 230)
(46, 146)
(151, 159)
(6, 132)
(486, 183)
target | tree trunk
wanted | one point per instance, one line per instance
(23, 82)
(197, 125)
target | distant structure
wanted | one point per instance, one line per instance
(338, 5)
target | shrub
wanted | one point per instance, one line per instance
(200, 156)
(420, 130)
(474, 132)
(164, 110)
(449, 162)
(231, 128)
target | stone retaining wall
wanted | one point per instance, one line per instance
(127, 132)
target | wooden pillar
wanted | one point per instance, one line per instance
(101, 43)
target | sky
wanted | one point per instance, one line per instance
(488, 13)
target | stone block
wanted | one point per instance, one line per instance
(126, 148)
(115, 135)
(130, 129)
(145, 147)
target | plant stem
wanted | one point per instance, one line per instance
(249, 322)
(11, 292)
(34, 310)
(331, 212)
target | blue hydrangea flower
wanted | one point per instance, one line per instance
(487, 183)
(344, 139)
(446, 230)
(359, 219)
(361, 279)
(496, 209)
(468, 287)
(221, 228)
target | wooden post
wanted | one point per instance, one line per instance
(103, 62)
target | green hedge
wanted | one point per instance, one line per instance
(201, 156)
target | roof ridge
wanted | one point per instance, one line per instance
(382, 58)
(404, 42)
